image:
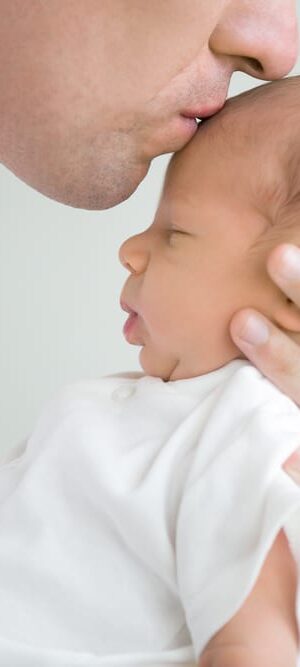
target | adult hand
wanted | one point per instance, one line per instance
(267, 347)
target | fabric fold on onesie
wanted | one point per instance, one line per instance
(236, 500)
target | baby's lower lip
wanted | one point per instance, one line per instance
(129, 325)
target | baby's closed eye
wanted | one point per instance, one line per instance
(173, 234)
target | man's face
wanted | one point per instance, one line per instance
(197, 264)
(92, 90)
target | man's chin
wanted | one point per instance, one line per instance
(121, 191)
(111, 187)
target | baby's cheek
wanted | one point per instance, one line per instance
(162, 312)
(209, 337)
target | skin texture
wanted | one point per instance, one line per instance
(210, 241)
(91, 91)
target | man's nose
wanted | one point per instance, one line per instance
(260, 35)
(133, 255)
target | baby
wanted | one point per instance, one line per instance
(148, 519)
(229, 197)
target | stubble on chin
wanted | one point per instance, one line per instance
(77, 169)
(107, 173)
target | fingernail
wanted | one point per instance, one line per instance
(290, 267)
(254, 331)
(292, 467)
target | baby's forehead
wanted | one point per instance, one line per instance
(232, 153)
(253, 146)
(258, 133)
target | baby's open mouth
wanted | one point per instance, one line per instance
(129, 324)
(127, 308)
(131, 320)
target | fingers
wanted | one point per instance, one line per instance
(272, 351)
(276, 356)
(268, 348)
(284, 268)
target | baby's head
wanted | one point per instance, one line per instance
(229, 197)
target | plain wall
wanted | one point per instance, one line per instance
(60, 282)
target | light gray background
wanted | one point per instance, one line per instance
(60, 282)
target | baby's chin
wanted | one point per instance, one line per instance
(170, 368)
(157, 364)
(166, 367)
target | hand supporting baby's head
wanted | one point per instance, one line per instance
(229, 197)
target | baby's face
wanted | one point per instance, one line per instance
(195, 266)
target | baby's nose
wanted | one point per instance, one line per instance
(132, 256)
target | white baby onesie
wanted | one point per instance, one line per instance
(136, 520)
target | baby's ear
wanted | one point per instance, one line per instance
(287, 316)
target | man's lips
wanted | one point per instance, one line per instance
(183, 126)
(203, 112)
(173, 132)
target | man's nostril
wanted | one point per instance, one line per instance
(255, 65)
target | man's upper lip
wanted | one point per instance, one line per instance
(203, 112)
